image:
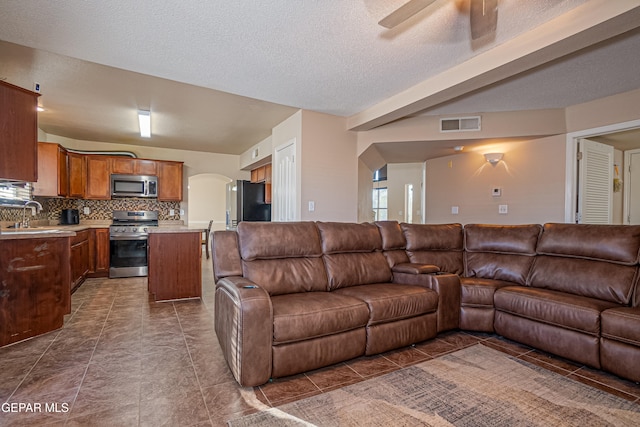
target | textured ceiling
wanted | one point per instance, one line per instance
(99, 61)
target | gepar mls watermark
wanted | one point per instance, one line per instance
(31, 407)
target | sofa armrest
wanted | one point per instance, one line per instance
(413, 268)
(244, 326)
(447, 286)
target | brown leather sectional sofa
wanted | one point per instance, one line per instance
(291, 297)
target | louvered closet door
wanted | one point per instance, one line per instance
(595, 182)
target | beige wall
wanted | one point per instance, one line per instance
(329, 168)
(365, 193)
(624, 107)
(398, 176)
(531, 177)
(207, 200)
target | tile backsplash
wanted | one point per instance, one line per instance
(98, 209)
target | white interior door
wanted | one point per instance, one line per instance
(631, 185)
(595, 182)
(284, 199)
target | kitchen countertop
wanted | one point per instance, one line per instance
(49, 231)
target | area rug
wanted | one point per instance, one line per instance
(476, 386)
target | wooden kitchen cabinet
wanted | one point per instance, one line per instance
(132, 166)
(80, 258)
(169, 181)
(175, 268)
(53, 173)
(77, 175)
(18, 133)
(99, 252)
(98, 177)
(34, 296)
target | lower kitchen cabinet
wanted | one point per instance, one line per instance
(99, 252)
(80, 258)
(34, 296)
(175, 270)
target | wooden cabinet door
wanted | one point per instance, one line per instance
(98, 177)
(80, 258)
(175, 267)
(169, 181)
(101, 257)
(123, 165)
(77, 175)
(18, 133)
(53, 178)
(145, 167)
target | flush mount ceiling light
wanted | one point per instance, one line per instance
(144, 118)
(493, 158)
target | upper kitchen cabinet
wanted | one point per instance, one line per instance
(169, 181)
(77, 174)
(131, 166)
(18, 133)
(53, 175)
(98, 177)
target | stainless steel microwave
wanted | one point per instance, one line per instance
(134, 186)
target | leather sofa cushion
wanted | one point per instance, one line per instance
(433, 237)
(287, 275)
(307, 315)
(270, 240)
(225, 254)
(351, 269)
(593, 279)
(389, 302)
(339, 237)
(512, 268)
(411, 268)
(555, 308)
(392, 236)
(479, 292)
(622, 324)
(504, 239)
(613, 243)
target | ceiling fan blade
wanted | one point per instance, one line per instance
(404, 12)
(483, 17)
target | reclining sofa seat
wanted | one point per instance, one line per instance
(495, 256)
(293, 297)
(580, 272)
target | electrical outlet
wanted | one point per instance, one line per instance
(172, 212)
(312, 206)
(503, 209)
(454, 210)
(86, 210)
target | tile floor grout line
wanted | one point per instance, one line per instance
(33, 366)
(86, 369)
(191, 360)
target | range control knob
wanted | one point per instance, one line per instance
(135, 229)
(145, 229)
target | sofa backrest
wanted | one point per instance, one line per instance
(598, 261)
(352, 254)
(435, 244)
(393, 242)
(501, 252)
(282, 257)
(225, 254)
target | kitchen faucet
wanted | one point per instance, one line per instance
(24, 211)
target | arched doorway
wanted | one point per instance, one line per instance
(207, 200)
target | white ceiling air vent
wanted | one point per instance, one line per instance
(460, 124)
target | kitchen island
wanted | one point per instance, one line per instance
(175, 270)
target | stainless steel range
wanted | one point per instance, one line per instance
(128, 236)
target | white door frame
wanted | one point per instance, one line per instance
(571, 189)
(626, 176)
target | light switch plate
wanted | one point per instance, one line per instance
(454, 210)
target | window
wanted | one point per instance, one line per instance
(380, 204)
(14, 193)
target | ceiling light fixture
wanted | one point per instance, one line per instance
(493, 158)
(144, 118)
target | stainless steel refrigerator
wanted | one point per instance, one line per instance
(245, 202)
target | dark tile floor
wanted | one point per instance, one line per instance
(123, 360)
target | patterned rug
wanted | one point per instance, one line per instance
(476, 386)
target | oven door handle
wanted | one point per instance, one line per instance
(130, 237)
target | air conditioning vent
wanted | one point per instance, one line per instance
(460, 124)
